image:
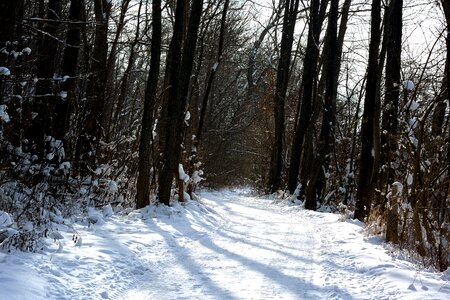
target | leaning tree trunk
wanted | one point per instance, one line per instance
(179, 84)
(117, 120)
(69, 71)
(197, 139)
(308, 84)
(389, 132)
(328, 122)
(46, 101)
(109, 76)
(144, 165)
(287, 39)
(87, 145)
(365, 187)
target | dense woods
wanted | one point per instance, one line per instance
(338, 104)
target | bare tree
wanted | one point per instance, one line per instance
(390, 130)
(180, 73)
(309, 79)
(366, 187)
(287, 39)
(329, 119)
(144, 164)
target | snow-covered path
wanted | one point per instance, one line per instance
(233, 246)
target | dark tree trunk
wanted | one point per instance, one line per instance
(179, 83)
(144, 166)
(9, 16)
(46, 102)
(124, 83)
(365, 188)
(389, 125)
(308, 85)
(443, 206)
(109, 76)
(87, 145)
(196, 143)
(439, 111)
(69, 69)
(287, 39)
(328, 122)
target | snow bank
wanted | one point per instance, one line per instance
(229, 245)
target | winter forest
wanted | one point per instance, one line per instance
(133, 109)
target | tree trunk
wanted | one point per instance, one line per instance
(179, 83)
(308, 83)
(9, 16)
(197, 139)
(365, 187)
(87, 145)
(287, 39)
(389, 125)
(46, 102)
(69, 70)
(110, 68)
(439, 111)
(124, 83)
(327, 130)
(144, 165)
(390, 131)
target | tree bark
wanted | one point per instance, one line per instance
(365, 187)
(287, 39)
(87, 145)
(197, 139)
(390, 131)
(9, 14)
(328, 123)
(46, 103)
(389, 125)
(144, 165)
(110, 68)
(69, 69)
(179, 83)
(308, 86)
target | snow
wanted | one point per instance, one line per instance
(412, 105)
(63, 94)
(5, 71)
(410, 179)
(3, 114)
(399, 187)
(5, 219)
(181, 174)
(408, 85)
(26, 51)
(229, 245)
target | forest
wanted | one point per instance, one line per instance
(330, 104)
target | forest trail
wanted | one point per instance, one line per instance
(231, 245)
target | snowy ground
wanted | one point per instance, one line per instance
(231, 246)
